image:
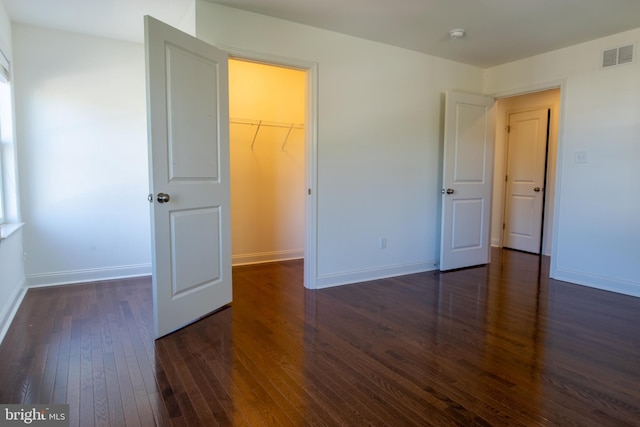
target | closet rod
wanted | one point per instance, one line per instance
(260, 123)
(267, 123)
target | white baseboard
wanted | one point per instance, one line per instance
(88, 275)
(598, 282)
(262, 257)
(10, 310)
(330, 280)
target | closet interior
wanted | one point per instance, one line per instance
(267, 148)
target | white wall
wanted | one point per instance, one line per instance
(80, 120)
(83, 167)
(597, 203)
(505, 106)
(12, 276)
(379, 140)
(267, 181)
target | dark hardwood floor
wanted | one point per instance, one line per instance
(498, 345)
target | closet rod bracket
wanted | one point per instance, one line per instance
(255, 135)
(286, 137)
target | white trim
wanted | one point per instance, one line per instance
(541, 87)
(311, 149)
(262, 257)
(346, 278)
(8, 229)
(558, 187)
(88, 275)
(625, 287)
(10, 310)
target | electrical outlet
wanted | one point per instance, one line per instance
(581, 157)
(383, 243)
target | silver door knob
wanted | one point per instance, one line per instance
(537, 189)
(450, 191)
(163, 198)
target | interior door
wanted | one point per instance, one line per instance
(526, 164)
(188, 135)
(467, 180)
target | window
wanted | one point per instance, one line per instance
(2, 216)
(8, 188)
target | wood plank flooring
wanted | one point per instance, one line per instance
(497, 345)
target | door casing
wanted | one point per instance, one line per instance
(311, 149)
(532, 98)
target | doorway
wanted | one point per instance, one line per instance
(267, 112)
(527, 145)
(510, 107)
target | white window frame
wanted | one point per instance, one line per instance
(5, 66)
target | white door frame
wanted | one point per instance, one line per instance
(555, 84)
(311, 149)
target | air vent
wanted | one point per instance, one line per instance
(625, 54)
(618, 56)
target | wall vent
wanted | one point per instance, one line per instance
(619, 56)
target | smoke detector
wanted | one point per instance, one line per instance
(457, 33)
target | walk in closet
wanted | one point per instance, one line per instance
(267, 114)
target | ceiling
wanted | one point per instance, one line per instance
(497, 31)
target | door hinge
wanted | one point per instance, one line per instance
(309, 191)
(506, 178)
(504, 225)
(508, 129)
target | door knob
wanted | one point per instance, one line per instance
(163, 198)
(537, 189)
(448, 191)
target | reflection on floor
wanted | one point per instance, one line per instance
(495, 345)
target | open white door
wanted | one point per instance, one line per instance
(188, 134)
(467, 180)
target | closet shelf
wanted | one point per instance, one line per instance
(260, 123)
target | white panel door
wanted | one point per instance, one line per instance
(526, 161)
(467, 180)
(188, 133)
